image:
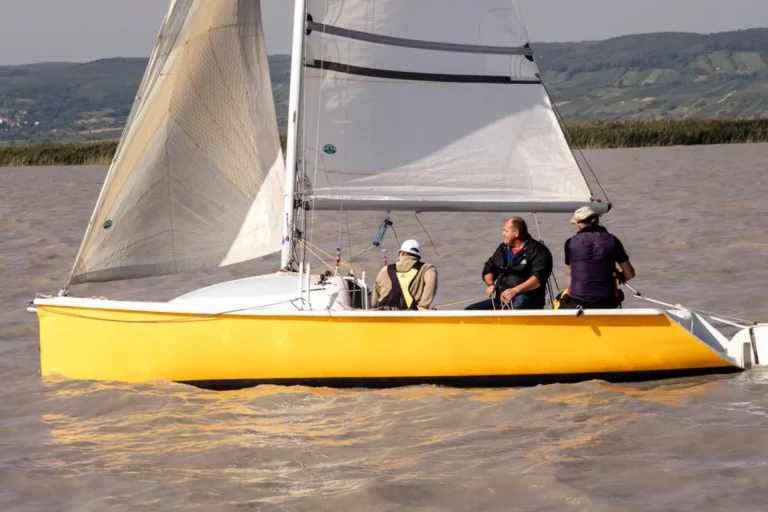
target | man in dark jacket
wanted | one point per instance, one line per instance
(517, 273)
(591, 257)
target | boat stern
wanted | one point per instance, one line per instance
(749, 347)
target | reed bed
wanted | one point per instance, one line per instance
(619, 134)
(74, 153)
(667, 132)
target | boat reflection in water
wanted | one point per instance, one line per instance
(282, 446)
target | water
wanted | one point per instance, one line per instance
(693, 221)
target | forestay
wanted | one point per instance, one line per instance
(198, 178)
(430, 105)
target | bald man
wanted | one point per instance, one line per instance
(516, 275)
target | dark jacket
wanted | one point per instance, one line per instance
(593, 254)
(534, 260)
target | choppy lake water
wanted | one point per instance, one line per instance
(694, 223)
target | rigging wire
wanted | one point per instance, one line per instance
(394, 232)
(346, 123)
(434, 247)
(317, 125)
(570, 135)
(349, 243)
(552, 277)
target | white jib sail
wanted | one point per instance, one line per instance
(430, 105)
(198, 179)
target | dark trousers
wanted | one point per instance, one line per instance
(566, 301)
(519, 302)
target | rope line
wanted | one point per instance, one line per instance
(185, 319)
(363, 251)
(714, 316)
(477, 299)
(309, 246)
(727, 317)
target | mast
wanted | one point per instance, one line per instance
(297, 64)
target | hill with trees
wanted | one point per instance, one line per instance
(652, 76)
(647, 76)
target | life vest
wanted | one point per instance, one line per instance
(593, 266)
(401, 297)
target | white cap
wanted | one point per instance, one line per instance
(411, 247)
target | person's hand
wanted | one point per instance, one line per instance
(490, 290)
(622, 277)
(508, 295)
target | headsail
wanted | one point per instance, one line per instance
(198, 179)
(430, 105)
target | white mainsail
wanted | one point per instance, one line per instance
(198, 180)
(430, 105)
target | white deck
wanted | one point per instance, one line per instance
(278, 294)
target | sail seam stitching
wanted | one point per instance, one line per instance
(232, 101)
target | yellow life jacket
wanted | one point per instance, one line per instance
(401, 297)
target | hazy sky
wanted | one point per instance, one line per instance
(82, 30)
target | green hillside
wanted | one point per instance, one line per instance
(652, 76)
(648, 76)
(86, 102)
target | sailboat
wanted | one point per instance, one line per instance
(395, 105)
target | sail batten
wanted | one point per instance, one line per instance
(417, 43)
(199, 174)
(346, 69)
(402, 110)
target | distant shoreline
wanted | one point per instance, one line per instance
(602, 135)
(667, 132)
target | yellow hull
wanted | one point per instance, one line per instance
(375, 349)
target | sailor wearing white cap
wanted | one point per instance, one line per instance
(409, 284)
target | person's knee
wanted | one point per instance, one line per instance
(525, 302)
(480, 306)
